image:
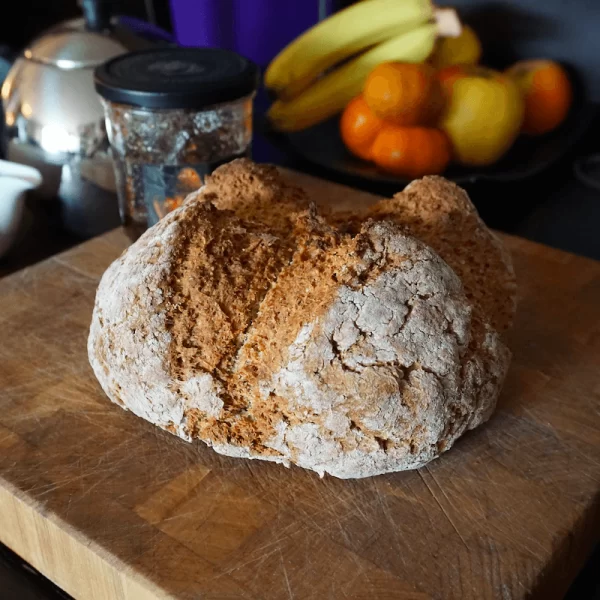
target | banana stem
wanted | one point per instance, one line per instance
(447, 21)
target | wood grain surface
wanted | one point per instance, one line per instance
(110, 507)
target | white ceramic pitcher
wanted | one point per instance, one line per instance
(15, 180)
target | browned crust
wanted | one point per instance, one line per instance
(439, 213)
(256, 193)
(252, 264)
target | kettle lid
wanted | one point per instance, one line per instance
(69, 49)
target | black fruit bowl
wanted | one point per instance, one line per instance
(322, 145)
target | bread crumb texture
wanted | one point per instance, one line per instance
(349, 345)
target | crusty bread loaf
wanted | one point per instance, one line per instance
(269, 333)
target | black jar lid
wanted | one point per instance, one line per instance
(176, 78)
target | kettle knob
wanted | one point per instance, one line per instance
(96, 13)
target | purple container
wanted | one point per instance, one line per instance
(256, 29)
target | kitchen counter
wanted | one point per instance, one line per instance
(531, 533)
(555, 209)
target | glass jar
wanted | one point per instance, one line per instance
(172, 116)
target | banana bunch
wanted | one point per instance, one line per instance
(365, 34)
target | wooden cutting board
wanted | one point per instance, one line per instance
(110, 507)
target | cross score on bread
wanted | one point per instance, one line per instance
(352, 345)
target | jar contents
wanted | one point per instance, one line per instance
(161, 156)
(172, 116)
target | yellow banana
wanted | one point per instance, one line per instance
(328, 95)
(343, 34)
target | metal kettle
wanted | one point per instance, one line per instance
(53, 119)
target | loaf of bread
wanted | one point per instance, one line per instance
(351, 346)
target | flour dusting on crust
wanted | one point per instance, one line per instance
(280, 336)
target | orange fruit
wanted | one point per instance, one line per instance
(403, 93)
(359, 128)
(547, 92)
(411, 151)
(448, 75)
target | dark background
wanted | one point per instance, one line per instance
(28, 18)
(554, 208)
(566, 29)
